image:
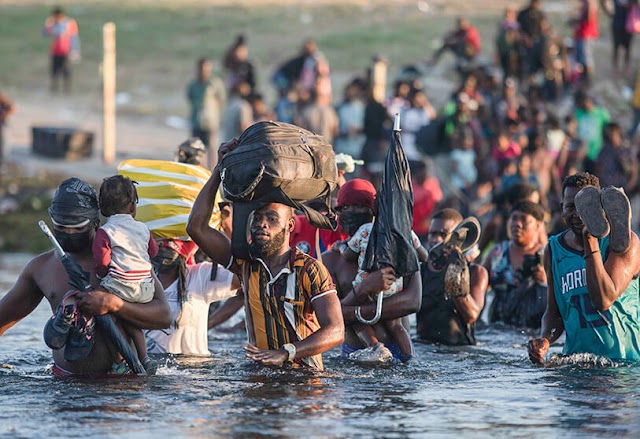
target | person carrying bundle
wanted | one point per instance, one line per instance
(293, 312)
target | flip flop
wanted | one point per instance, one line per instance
(589, 208)
(80, 341)
(618, 210)
(56, 331)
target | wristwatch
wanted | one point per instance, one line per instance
(291, 350)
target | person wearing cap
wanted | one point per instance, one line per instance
(445, 318)
(356, 201)
(293, 311)
(192, 151)
(190, 289)
(74, 214)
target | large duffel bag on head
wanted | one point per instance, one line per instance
(277, 162)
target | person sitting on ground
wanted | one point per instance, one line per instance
(355, 250)
(515, 270)
(190, 289)
(463, 41)
(356, 199)
(444, 318)
(122, 251)
(292, 308)
(594, 267)
(74, 212)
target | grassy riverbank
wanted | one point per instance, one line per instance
(23, 202)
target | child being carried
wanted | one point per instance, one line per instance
(355, 249)
(122, 252)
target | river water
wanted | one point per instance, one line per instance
(489, 390)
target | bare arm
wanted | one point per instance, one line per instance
(212, 242)
(151, 315)
(470, 306)
(401, 304)
(20, 301)
(607, 281)
(349, 255)
(226, 310)
(331, 332)
(552, 324)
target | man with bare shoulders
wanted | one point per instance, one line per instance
(445, 318)
(293, 311)
(593, 266)
(74, 213)
(356, 201)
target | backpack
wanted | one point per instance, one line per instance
(276, 162)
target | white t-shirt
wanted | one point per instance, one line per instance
(190, 337)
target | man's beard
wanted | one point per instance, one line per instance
(267, 248)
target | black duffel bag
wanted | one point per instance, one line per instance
(277, 162)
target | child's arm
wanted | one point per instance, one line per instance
(101, 253)
(423, 254)
(152, 247)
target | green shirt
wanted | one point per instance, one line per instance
(590, 125)
(614, 333)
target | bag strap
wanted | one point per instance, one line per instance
(248, 192)
(315, 218)
(239, 244)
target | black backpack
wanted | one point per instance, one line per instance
(276, 162)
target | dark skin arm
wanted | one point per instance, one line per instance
(470, 306)
(212, 242)
(330, 334)
(228, 308)
(552, 324)
(401, 304)
(152, 315)
(20, 301)
(607, 281)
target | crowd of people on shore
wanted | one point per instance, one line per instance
(510, 195)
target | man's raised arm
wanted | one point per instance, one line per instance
(212, 242)
(607, 281)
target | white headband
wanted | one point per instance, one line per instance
(71, 226)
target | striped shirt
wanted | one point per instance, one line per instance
(279, 308)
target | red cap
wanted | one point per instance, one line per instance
(186, 249)
(357, 192)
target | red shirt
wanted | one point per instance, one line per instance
(304, 237)
(587, 28)
(424, 201)
(65, 35)
(472, 37)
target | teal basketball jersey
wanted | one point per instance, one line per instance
(614, 333)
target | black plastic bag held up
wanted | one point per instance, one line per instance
(391, 244)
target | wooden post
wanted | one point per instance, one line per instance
(109, 93)
(379, 78)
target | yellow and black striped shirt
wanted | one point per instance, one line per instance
(279, 308)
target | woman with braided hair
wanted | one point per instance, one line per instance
(190, 289)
